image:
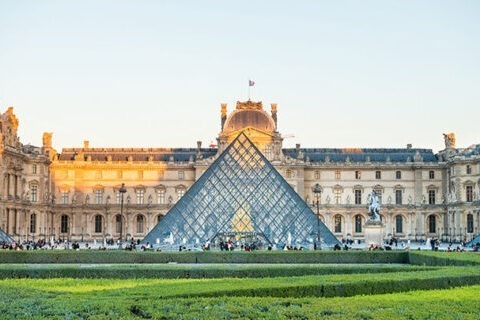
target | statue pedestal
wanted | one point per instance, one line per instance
(374, 234)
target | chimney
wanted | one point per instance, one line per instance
(86, 144)
(199, 145)
(224, 113)
(409, 146)
(274, 114)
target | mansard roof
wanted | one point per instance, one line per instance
(137, 154)
(362, 154)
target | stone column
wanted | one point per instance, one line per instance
(8, 185)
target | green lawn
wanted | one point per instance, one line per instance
(428, 290)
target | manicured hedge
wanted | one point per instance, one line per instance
(443, 258)
(186, 271)
(113, 256)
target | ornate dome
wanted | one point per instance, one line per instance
(249, 114)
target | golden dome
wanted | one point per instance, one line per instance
(249, 114)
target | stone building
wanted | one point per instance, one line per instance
(76, 193)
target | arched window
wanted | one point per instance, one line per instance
(399, 224)
(33, 223)
(98, 223)
(338, 223)
(118, 223)
(470, 223)
(140, 223)
(64, 224)
(358, 223)
(432, 224)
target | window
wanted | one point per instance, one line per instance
(470, 223)
(431, 174)
(118, 196)
(399, 224)
(98, 223)
(338, 223)
(337, 194)
(64, 224)
(378, 175)
(337, 175)
(33, 193)
(316, 175)
(33, 223)
(64, 197)
(469, 193)
(268, 152)
(180, 193)
(432, 224)
(98, 196)
(431, 196)
(159, 218)
(398, 175)
(358, 223)
(358, 175)
(469, 169)
(140, 223)
(358, 197)
(140, 195)
(34, 168)
(160, 196)
(288, 173)
(181, 175)
(398, 196)
(118, 223)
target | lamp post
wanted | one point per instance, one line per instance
(122, 191)
(317, 190)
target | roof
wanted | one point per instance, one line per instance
(362, 154)
(137, 154)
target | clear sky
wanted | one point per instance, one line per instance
(153, 73)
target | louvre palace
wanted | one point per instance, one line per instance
(87, 194)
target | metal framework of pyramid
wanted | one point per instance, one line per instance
(4, 237)
(240, 195)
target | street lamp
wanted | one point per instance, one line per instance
(122, 190)
(317, 190)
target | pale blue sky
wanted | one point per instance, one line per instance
(153, 73)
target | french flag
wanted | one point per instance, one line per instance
(251, 83)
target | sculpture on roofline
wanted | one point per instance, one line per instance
(450, 140)
(373, 207)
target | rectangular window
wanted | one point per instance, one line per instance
(161, 196)
(98, 196)
(64, 197)
(431, 174)
(34, 168)
(98, 224)
(469, 169)
(469, 193)
(34, 195)
(398, 196)
(358, 196)
(337, 175)
(337, 195)
(431, 196)
(181, 175)
(378, 175)
(398, 174)
(358, 175)
(180, 193)
(140, 196)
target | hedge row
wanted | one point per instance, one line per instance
(349, 288)
(186, 272)
(443, 258)
(95, 257)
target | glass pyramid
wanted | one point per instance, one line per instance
(240, 197)
(5, 237)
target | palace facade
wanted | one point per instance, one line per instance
(77, 193)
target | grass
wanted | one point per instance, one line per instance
(249, 292)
